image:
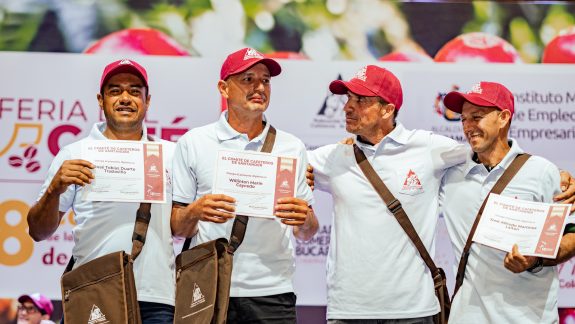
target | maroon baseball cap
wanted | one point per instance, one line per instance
(370, 81)
(40, 301)
(241, 60)
(484, 94)
(124, 66)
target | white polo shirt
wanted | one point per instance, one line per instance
(374, 270)
(490, 293)
(107, 227)
(264, 264)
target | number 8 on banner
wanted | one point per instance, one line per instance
(18, 232)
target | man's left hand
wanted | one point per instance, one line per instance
(292, 211)
(517, 262)
(568, 188)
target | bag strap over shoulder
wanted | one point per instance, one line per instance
(394, 207)
(143, 216)
(499, 186)
(241, 222)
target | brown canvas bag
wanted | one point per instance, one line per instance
(394, 206)
(103, 290)
(204, 273)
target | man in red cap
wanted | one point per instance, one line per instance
(34, 309)
(106, 227)
(368, 245)
(499, 287)
(261, 287)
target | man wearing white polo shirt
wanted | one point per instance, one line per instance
(375, 273)
(261, 287)
(106, 227)
(498, 287)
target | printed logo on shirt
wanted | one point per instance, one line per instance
(96, 316)
(411, 184)
(197, 297)
(252, 53)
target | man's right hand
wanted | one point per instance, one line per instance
(214, 208)
(78, 172)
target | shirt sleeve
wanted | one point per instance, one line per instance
(184, 175)
(318, 159)
(303, 190)
(66, 198)
(446, 152)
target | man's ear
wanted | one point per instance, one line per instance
(387, 111)
(223, 88)
(100, 100)
(148, 99)
(505, 117)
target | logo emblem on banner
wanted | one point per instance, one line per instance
(331, 114)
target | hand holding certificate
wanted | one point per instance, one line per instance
(535, 227)
(126, 171)
(255, 180)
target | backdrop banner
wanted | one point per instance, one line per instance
(49, 100)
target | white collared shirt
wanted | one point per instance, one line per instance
(107, 227)
(490, 293)
(264, 263)
(374, 270)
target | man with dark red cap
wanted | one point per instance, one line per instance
(499, 287)
(375, 273)
(34, 309)
(261, 287)
(106, 227)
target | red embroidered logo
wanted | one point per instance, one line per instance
(412, 182)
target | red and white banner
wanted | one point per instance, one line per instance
(49, 100)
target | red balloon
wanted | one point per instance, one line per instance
(399, 56)
(478, 47)
(137, 42)
(561, 49)
(287, 55)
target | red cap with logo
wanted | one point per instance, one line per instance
(40, 301)
(123, 66)
(241, 60)
(372, 81)
(484, 94)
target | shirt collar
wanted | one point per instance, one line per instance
(97, 132)
(514, 150)
(398, 135)
(224, 131)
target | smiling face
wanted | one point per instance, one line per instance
(125, 102)
(248, 92)
(483, 126)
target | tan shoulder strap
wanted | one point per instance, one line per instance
(394, 207)
(499, 186)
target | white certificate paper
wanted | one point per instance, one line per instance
(535, 227)
(256, 180)
(126, 171)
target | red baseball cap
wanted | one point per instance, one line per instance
(484, 94)
(123, 66)
(40, 301)
(370, 81)
(241, 60)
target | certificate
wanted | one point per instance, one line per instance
(126, 171)
(255, 180)
(535, 227)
